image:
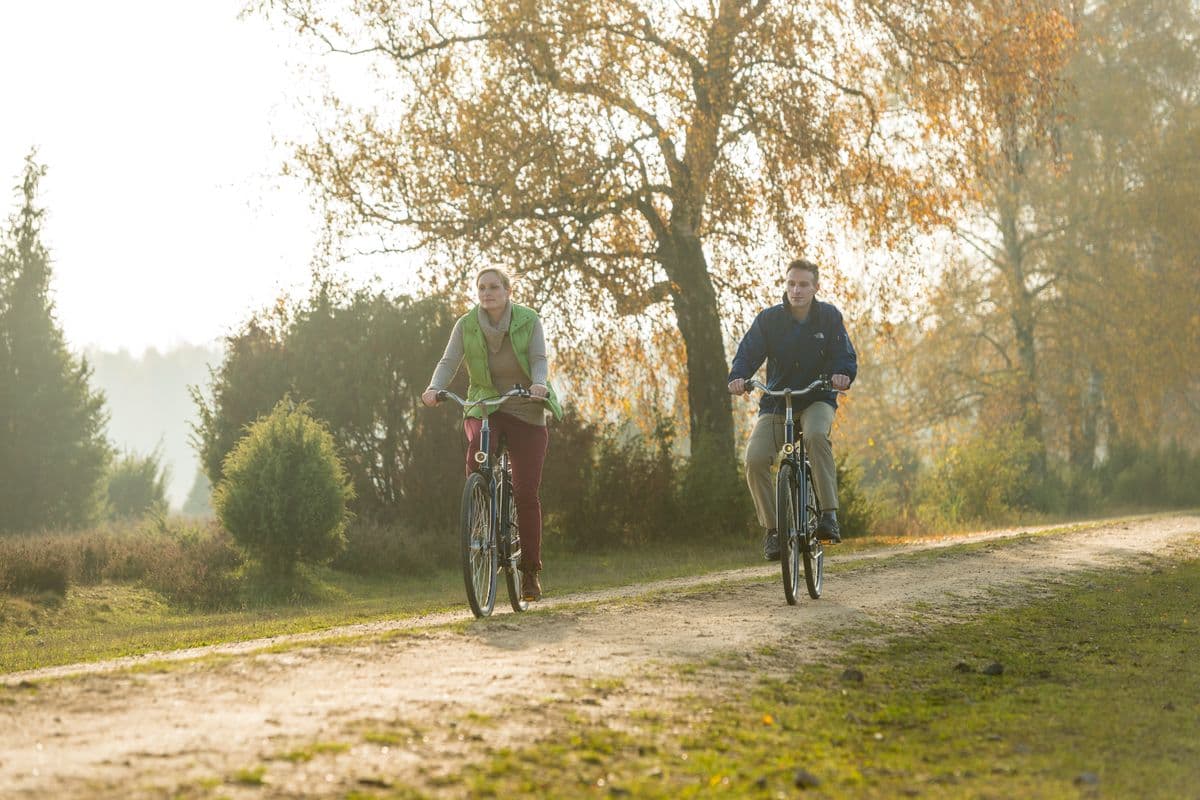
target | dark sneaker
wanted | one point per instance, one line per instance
(771, 545)
(531, 587)
(827, 528)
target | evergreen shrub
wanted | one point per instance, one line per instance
(284, 492)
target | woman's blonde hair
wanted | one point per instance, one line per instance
(503, 277)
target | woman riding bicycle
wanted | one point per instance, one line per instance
(504, 345)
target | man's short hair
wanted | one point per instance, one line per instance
(805, 264)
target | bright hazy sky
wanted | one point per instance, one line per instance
(167, 219)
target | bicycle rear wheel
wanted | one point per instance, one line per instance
(510, 534)
(789, 532)
(478, 539)
(811, 547)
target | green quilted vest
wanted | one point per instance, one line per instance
(520, 332)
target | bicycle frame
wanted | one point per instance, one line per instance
(499, 546)
(790, 445)
(493, 470)
(793, 449)
(800, 532)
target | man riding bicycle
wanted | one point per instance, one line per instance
(801, 339)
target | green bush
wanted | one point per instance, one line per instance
(284, 491)
(566, 474)
(713, 497)
(137, 485)
(985, 478)
(361, 360)
(610, 487)
(1069, 489)
(1155, 476)
(857, 508)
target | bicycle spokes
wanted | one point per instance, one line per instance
(480, 540)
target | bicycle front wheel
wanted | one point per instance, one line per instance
(478, 537)
(811, 547)
(789, 532)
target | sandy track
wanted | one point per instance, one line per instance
(112, 732)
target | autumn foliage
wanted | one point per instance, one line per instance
(660, 162)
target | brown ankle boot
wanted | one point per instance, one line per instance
(531, 587)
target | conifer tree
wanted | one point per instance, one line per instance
(53, 452)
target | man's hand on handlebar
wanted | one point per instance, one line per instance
(743, 386)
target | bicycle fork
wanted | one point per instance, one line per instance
(793, 453)
(482, 457)
(789, 456)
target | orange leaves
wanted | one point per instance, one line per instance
(579, 143)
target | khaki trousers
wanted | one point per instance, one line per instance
(762, 453)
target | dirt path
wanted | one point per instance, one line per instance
(411, 703)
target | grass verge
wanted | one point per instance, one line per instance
(1092, 690)
(110, 620)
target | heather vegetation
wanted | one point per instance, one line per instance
(192, 564)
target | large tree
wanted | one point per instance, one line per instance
(637, 158)
(1072, 311)
(1127, 309)
(53, 452)
(360, 359)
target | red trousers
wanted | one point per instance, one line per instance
(526, 452)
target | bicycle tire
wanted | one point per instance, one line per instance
(512, 551)
(812, 549)
(786, 524)
(478, 541)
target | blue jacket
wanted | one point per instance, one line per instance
(797, 353)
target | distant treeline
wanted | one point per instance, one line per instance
(150, 408)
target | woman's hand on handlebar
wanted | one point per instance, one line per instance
(539, 391)
(430, 397)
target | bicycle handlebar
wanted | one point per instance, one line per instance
(494, 402)
(819, 383)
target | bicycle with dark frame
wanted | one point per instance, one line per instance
(488, 533)
(796, 511)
